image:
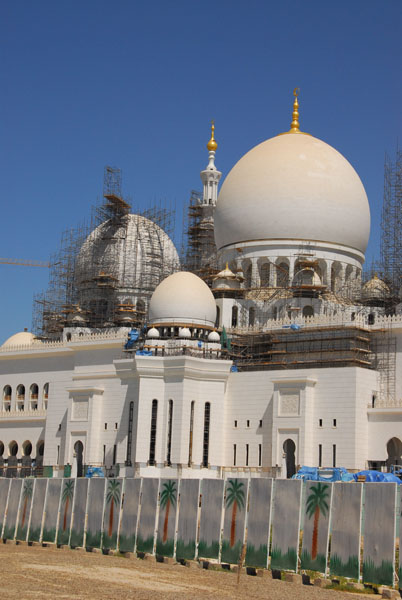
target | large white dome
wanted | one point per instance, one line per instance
(134, 251)
(182, 298)
(293, 187)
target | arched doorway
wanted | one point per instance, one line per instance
(78, 459)
(394, 449)
(289, 460)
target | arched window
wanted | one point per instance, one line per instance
(40, 448)
(251, 316)
(275, 315)
(27, 448)
(205, 448)
(169, 434)
(235, 313)
(371, 319)
(20, 397)
(33, 391)
(190, 443)
(7, 397)
(140, 307)
(248, 276)
(308, 311)
(130, 433)
(152, 441)
(218, 316)
(282, 275)
(13, 448)
(45, 395)
(1, 449)
(33, 396)
(264, 274)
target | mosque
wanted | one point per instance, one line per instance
(271, 353)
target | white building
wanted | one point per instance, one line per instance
(313, 374)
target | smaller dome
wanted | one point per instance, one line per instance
(214, 337)
(22, 338)
(307, 277)
(152, 333)
(184, 332)
(182, 299)
(226, 273)
(375, 288)
(226, 279)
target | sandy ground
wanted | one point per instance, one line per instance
(36, 572)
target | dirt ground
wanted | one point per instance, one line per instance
(36, 572)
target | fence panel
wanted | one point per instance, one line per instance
(286, 524)
(128, 525)
(317, 508)
(66, 506)
(12, 509)
(26, 502)
(4, 489)
(210, 521)
(51, 510)
(79, 512)
(259, 522)
(167, 517)
(189, 492)
(38, 504)
(146, 526)
(114, 495)
(379, 533)
(96, 496)
(234, 519)
(345, 534)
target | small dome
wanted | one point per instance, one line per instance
(184, 333)
(183, 298)
(293, 187)
(214, 337)
(307, 277)
(23, 338)
(152, 333)
(226, 274)
(375, 288)
(226, 279)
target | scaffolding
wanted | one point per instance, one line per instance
(316, 347)
(391, 223)
(201, 253)
(106, 270)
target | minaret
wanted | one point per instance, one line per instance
(210, 176)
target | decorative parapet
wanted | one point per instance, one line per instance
(22, 415)
(380, 322)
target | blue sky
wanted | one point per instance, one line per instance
(135, 84)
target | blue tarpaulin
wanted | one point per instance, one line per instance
(376, 476)
(132, 337)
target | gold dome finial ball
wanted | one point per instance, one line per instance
(212, 145)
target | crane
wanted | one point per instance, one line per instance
(23, 263)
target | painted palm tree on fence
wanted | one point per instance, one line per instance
(168, 497)
(317, 504)
(26, 494)
(112, 498)
(234, 499)
(66, 498)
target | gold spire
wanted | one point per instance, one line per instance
(295, 126)
(212, 145)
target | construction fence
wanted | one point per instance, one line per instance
(278, 524)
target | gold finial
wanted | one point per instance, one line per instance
(295, 126)
(212, 145)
